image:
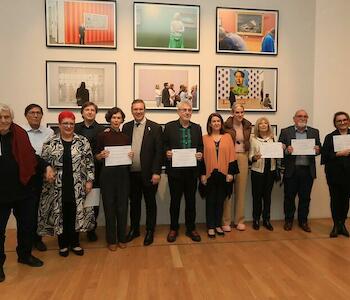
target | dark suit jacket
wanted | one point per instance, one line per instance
(337, 168)
(151, 154)
(287, 134)
(171, 140)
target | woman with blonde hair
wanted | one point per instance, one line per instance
(239, 128)
(263, 173)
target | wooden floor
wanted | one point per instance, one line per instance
(241, 265)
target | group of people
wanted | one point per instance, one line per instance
(170, 98)
(45, 177)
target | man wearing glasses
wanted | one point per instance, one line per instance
(300, 170)
(182, 134)
(38, 134)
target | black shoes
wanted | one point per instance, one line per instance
(334, 232)
(63, 252)
(193, 235)
(31, 261)
(305, 227)
(78, 251)
(211, 233)
(171, 238)
(2, 274)
(288, 225)
(39, 245)
(92, 236)
(256, 225)
(148, 238)
(132, 235)
(268, 225)
(342, 230)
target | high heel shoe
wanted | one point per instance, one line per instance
(211, 233)
(219, 231)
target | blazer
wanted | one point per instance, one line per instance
(151, 154)
(287, 134)
(337, 169)
(247, 128)
(171, 140)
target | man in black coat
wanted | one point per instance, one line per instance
(300, 170)
(146, 143)
(166, 95)
(182, 134)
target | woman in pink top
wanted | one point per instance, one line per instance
(218, 168)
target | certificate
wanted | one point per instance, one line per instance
(184, 157)
(303, 147)
(341, 142)
(92, 198)
(118, 156)
(271, 150)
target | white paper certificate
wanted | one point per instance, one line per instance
(303, 147)
(118, 156)
(341, 142)
(271, 150)
(184, 157)
(93, 198)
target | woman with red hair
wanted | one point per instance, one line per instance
(61, 209)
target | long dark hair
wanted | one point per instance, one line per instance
(209, 129)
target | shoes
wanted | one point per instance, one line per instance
(64, 252)
(31, 261)
(267, 225)
(334, 232)
(342, 230)
(256, 225)
(226, 228)
(171, 238)
(193, 235)
(288, 225)
(78, 251)
(219, 231)
(2, 274)
(122, 245)
(112, 247)
(305, 227)
(211, 233)
(133, 233)
(92, 236)
(240, 227)
(148, 238)
(39, 245)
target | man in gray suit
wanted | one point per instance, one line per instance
(300, 170)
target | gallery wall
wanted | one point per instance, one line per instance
(300, 62)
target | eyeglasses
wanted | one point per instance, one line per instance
(341, 121)
(186, 109)
(67, 124)
(302, 116)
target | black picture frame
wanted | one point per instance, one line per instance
(247, 31)
(64, 77)
(147, 76)
(161, 33)
(96, 27)
(255, 87)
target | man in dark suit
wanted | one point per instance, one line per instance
(166, 95)
(300, 170)
(182, 134)
(146, 143)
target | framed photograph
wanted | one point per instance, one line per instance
(166, 27)
(247, 31)
(163, 86)
(70, 84)
(254, 88)
(80, 23)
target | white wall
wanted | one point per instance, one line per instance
(302, 64)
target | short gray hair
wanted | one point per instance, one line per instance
(5, 107)
(182, 103)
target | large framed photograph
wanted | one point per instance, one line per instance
(80, 23)
(166, 26)
(70, 84)
(254, 88)
(247, 31)
(162, 86)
